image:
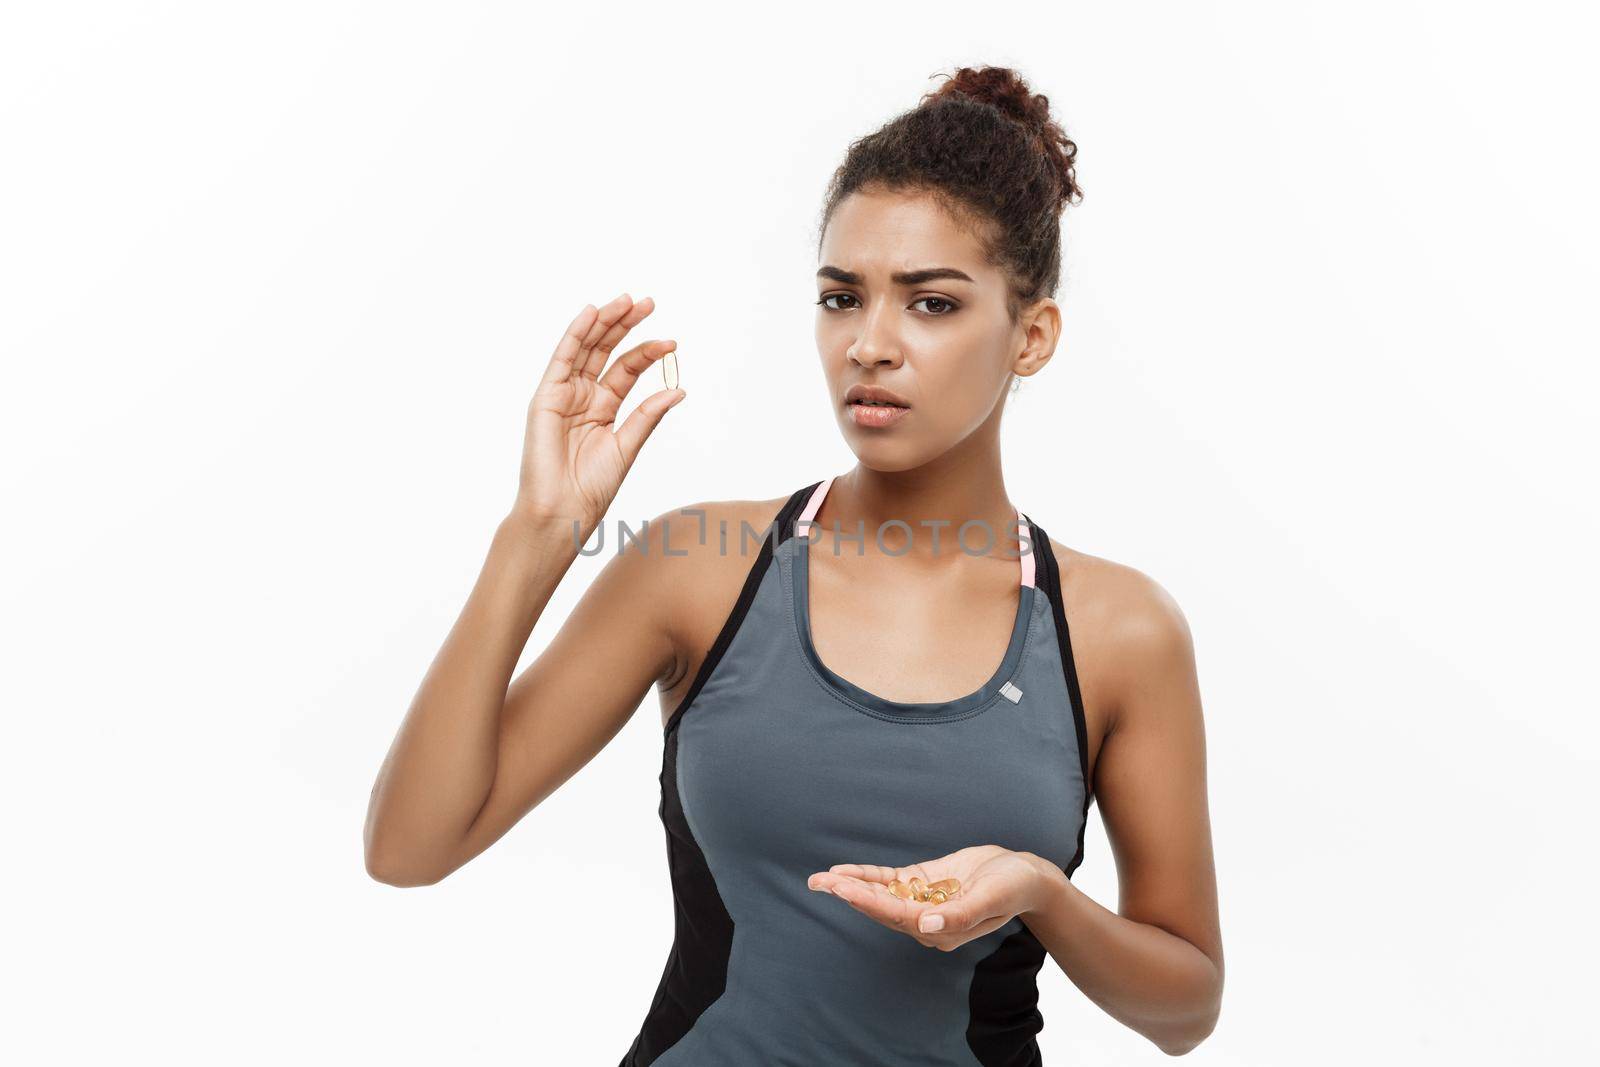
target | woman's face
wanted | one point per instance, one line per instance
(907, 302)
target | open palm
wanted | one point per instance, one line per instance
(996, 885)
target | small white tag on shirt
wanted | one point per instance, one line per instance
(1011, 693)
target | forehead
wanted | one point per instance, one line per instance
(875, 231)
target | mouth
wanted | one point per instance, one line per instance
(875, 414)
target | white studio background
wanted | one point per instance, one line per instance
(278, 279)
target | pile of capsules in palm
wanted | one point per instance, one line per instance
(925, 892)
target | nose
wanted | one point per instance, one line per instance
(876, 344)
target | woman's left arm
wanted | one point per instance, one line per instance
(1156, 963)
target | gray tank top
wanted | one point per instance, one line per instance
(775, 767)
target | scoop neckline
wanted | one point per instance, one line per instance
(800, 590)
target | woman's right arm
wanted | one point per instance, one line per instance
(476, 752)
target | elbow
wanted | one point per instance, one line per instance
(1184, 1044)
(393, 866)
(389, 872)
(1185, 1041)
(1182, 1048)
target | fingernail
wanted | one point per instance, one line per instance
(931, 923)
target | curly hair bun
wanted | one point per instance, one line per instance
(1005, 90)
(984, 145)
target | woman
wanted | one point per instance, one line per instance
(836, 724)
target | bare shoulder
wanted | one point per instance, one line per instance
(1128, 632)
(701, 540)
(698, 555)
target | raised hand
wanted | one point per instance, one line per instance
(997, 884)
(573, 462)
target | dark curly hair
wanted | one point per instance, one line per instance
(983, 145)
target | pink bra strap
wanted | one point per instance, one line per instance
(803, 523)
(1025, 535)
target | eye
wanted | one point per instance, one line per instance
(834, 296)
(949, 305)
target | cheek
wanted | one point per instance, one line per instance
(965, 403)
(964, 369)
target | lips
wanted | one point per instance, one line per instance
(874, 395)
(876, 416)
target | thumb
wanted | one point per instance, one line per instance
(638, 426)
(962, 913)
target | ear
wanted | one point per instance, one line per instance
(1040, 323)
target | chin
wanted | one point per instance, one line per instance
(881, 455)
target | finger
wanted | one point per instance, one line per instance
(866, 874)
(562, 361)
(602, 348)
(947, 942)
(871, 872)
(607, 319)
(874, 872)
(825, 881)
(626, 369)
(962, 913)
(610, 312)
(637, 427)
(874, 900)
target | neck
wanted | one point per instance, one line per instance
(946, 491)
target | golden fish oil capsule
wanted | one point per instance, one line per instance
(669, 368)
(901, 890)
(937, 896)
(919, 888)
(949, 885)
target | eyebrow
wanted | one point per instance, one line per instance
(905, 277)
